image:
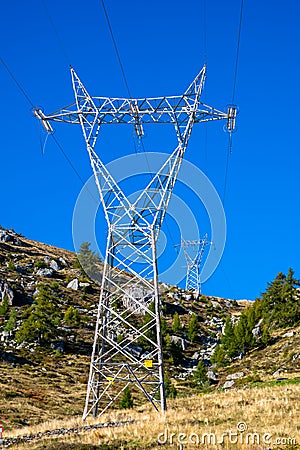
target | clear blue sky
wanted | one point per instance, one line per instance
(161, 44)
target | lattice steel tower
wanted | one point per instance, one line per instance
(127, 347)
(193, 262)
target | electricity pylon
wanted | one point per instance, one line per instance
(193, 279)
(127, 348)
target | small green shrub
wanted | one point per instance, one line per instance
(4, 306)
(11, 323)
(126, 401)
(40, 264)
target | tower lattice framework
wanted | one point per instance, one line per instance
(127, 348)
(193, 275)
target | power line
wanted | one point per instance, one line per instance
(237, 51)
(229, 151)
(16, 82)
(116, 48)
(60, 42)
(204, 31)
(72, 166)
(22, 90)
(67, 158)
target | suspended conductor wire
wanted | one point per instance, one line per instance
(141, 142)
(22, 90)
(67, 158)
(229, 151)
(16, 82)
(118, 57)
(204, 32)
(237, 52)
(116, 48)
(60, 42)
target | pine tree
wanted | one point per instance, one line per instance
(243, 335)
(291, 312)
(266, 337)
(192, 328)
(163, 326)
(41, 318)
(89, 261)
(280, 305)
(173, 353)
(176, 326)
(12, 320)
(126, 401)
(71, 316)
(200, 374)
(228, 339)
(170, 390)
(219, 356)
(4, 306)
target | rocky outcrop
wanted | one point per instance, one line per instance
(48, 273)
(228, 384)
(235, 376)
(4, 236)
(288, 334)
(212, 376)
(74, 284)
(257, 329)
(6, 291)
(11, 237)
(54, 265)
(179, 341)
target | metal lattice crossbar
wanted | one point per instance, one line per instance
(127, 348)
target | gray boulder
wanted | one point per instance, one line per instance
(48, 273)
(257, 329)
(179, 341)
(62, 261)
(5, 290)
(74, 284)
(53, 265)
(4, 236)
(212, 376)
(235, 376)
(289, 334)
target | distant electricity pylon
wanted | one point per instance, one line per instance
(193, 262)
(127, 350)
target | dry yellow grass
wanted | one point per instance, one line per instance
(274, 411)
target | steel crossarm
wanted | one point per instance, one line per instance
(175, 109)
(149, 110)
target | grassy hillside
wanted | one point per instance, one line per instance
(258, 418)
(43, 384)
